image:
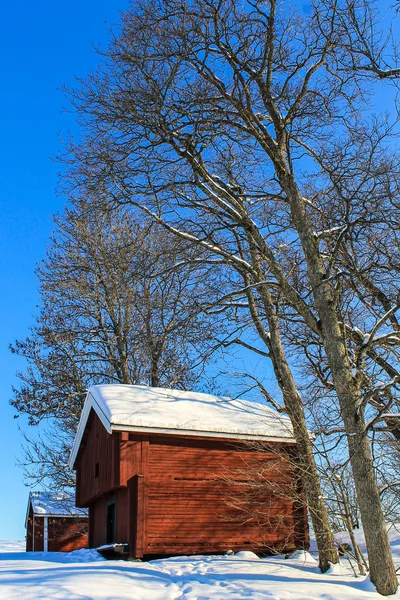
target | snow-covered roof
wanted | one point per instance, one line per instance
(50, 504)
(156, 410)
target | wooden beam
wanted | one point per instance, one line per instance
(145, 472)
(115, 458)
(136, 515)
(91, 526)
(46, 534)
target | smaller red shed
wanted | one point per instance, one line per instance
(54, 524)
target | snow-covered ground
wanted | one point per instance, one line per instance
(84, 575)
(7, 546)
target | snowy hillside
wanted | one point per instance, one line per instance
(8, 546)
(83, 574)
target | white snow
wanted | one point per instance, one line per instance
(304, 557)
(146, 409)
(12, 546)
(84, 575)
(394, 538)
(247, 555)
(338, 569)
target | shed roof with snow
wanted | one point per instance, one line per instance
(144, 409)
(50, 504)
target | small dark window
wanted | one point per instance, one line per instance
(110, 526)
(96, 470)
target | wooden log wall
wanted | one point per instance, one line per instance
(97, 464)
(198, 499)
(97, 523)
(98, 518)
(37, 537)
(67, 534)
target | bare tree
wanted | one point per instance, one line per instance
(121, 303)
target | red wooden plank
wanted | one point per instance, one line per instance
(136, 516)
(115, 458)
(98, 450)
(189, 485)
(145, 485)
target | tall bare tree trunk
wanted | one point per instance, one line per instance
(155, 373)
(294, 406)
(383, 573)
(361, 562)
(318, 513)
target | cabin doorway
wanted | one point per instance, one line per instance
(110, 524)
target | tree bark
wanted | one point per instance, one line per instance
(361, 563)
(318, 513)
(294, 406)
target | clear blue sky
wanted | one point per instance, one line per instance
(42, 45)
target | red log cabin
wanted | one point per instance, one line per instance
(169, 472)
(54, 524)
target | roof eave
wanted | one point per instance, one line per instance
(27, 510)
(196, 433)
(63, 516)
